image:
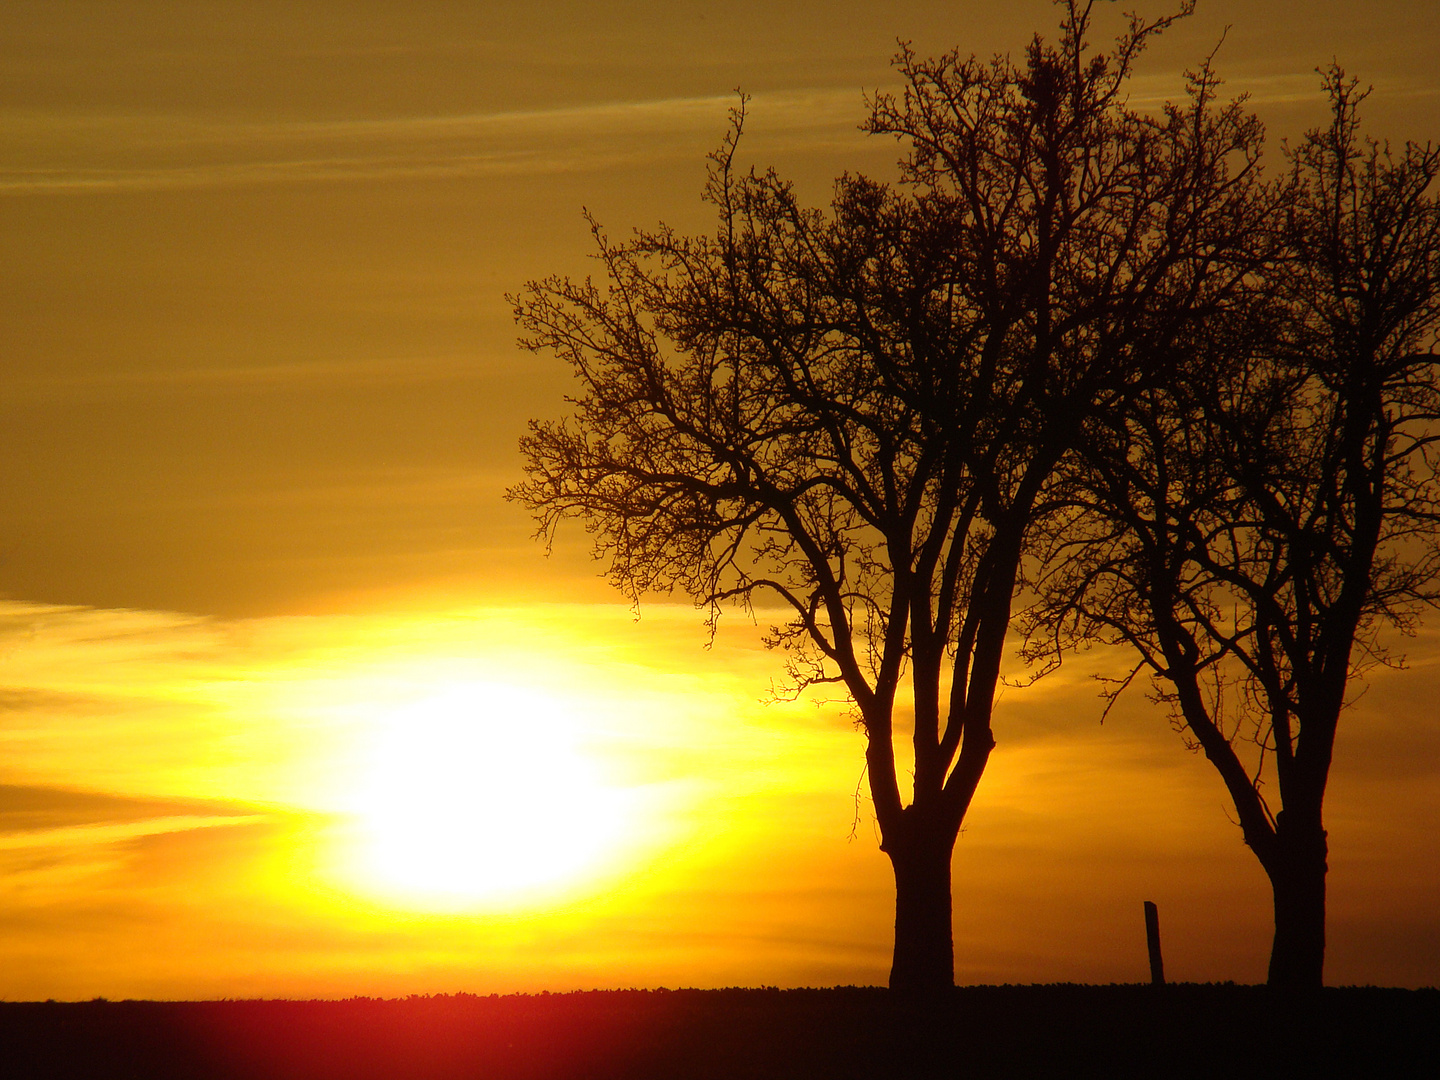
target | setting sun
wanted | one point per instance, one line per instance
(480, 793)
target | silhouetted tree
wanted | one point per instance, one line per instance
(857, 412)
(1250, 526)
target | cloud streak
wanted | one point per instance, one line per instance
(31, 813)
(53, 154)
(351, 373)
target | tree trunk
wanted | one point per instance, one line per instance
(1297, 876)
(924, 946)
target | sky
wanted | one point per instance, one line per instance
(286, 687)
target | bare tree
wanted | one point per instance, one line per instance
(1251, 526)
(857, 412)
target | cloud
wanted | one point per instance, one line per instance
(32, 808)
(73, 153)
(351, 373)
(49, 154)
(14, 700)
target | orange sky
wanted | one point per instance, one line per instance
(260, 398)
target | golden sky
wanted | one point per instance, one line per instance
(260, 397)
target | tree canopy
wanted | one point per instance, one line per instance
(860, 412)
(1250, 525)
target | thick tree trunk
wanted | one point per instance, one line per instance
(1297, 876)
(924, 946)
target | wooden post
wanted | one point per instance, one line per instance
(1152, 940)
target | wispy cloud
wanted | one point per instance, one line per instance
(56, 153)
(370, 372)
(71, 836)
(33, 813)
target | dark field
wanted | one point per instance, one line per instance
(1107, 1031)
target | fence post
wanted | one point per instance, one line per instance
(1152, 941)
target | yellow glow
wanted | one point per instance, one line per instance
(232, 786)
(481, 793)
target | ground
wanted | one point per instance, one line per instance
(1006, 1031)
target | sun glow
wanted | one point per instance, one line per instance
(482, 794)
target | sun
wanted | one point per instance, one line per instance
(481, 793)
